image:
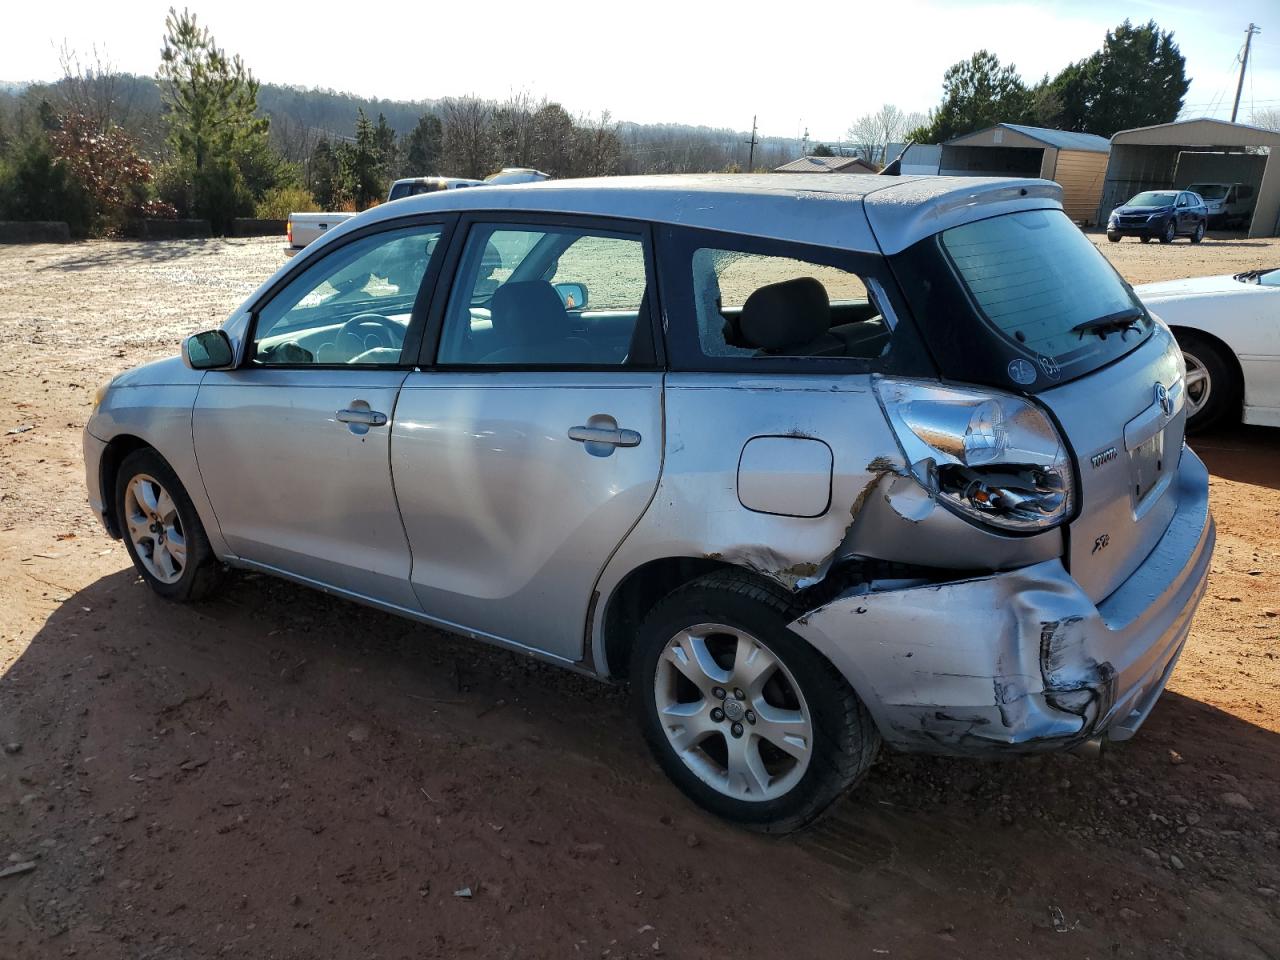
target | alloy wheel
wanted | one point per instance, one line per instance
(1199, 385)
(733, 712)
(155, 529)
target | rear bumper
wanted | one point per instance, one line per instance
(1023, 661)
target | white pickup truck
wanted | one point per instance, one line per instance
(305, 228)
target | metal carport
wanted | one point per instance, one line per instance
(1172, 155)
(1077, 161)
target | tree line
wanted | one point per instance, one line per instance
(100, 149)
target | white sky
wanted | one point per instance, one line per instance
(794, 64)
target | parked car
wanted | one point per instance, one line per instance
(509, 175)
(302, 229)
(1227, 204)
(1229, 330)
(412, 186)
(815, 465)
(1161, 215)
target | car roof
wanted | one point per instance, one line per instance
(860, 212)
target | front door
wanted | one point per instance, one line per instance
(294, 444)
(528, 450)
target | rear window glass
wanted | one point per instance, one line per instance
(1035, 278)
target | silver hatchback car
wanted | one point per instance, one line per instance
(816, 463)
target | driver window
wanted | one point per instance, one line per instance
(351, 306)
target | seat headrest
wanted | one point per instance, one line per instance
(787, 314)
(526, 312)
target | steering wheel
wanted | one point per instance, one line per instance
(364, 325)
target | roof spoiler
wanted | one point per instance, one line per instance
(894, 167)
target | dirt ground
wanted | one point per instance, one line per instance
(279, 774)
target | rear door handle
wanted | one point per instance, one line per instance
(615, 437)
(370, 418)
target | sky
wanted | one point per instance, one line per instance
(796, 66)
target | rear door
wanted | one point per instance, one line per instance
(531, 442)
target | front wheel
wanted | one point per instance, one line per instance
(1169, 232)
(750, 722)
(1199, 233)
(1145, 239)
(1113, 237)
(1213, 388)
(162, 530)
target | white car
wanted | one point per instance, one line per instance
(1229, 331)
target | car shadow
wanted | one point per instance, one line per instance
(1242, 453)
(124, 253)
(255, 759)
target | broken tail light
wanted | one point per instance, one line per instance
(990, 457)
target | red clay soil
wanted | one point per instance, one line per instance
(276, 773)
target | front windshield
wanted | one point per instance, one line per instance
(1209, 191)
(1152, 198)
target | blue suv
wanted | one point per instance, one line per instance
(1160, 214)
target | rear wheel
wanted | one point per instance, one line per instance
(750, 722)
(1198, 235)
(162, 530)
(1212, 385)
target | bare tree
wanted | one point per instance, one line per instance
(599, 151)
(468, 145)
(873, 132)
(88, 87)
(1268, 119)
(513, 129)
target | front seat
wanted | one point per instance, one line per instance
(532, 326)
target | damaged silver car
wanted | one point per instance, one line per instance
(815, 463)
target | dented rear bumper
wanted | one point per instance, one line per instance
(1021, 661)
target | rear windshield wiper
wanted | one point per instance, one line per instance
(1119, 321)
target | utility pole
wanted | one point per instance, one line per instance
(1244, 63)
(751, 155)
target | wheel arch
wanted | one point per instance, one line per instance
(113, 455)
(1228, 354)
(636, 594)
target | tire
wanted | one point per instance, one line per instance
(1169, 232)
(830, 738)
(1198, 235)
(156, 517)
(1145, 239)
(1113, 237)
(1213, 384)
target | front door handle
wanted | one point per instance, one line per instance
(614, 437)
(601, 435)
(370, 418)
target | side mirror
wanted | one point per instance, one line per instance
(572, 295)
(210, 350)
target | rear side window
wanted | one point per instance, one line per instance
(751, 304)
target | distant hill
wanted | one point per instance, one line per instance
(298, 113)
